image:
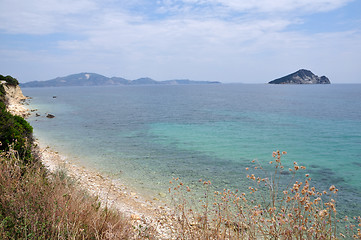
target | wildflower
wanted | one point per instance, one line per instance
(323, 213)
(284, 152)
(332, 188)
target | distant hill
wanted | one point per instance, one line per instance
(94, 79)
(302, 76)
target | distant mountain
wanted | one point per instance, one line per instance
(94, 79)
(143, 81)
(302, 76)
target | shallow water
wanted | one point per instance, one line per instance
(145, 135)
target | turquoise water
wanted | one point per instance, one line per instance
(145, 135)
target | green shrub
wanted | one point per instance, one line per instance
(16, 131)
(2, 93)
(9, 80)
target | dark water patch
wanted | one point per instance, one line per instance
(313, 166)
(357, 164)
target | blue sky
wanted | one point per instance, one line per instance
(248, 41)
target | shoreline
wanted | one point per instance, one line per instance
(110, 193)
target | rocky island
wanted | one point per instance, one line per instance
(302, 76)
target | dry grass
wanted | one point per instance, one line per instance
(270, 209)
(38, 205)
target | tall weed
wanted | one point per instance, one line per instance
(272, 208)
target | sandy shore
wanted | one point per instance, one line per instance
(111, 193)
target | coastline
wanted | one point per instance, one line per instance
(211, 220)
(110, 193)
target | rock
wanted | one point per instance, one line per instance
(50, 116)
(162, 194)
(135, 217)
(302, 76)
(37, 114)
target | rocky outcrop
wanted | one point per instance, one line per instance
(302, 76)
(15, 100)
(14, 93)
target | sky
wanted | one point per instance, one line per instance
(231, 41)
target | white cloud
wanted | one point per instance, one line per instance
(189, 38)
(249, 6)
(276, 6)
(211, 49)
(42, 16)
(54, 16)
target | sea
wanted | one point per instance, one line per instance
(146, 135)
